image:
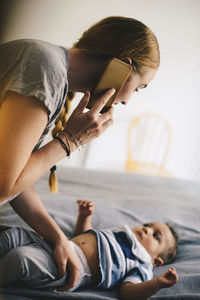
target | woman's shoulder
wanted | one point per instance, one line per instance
(35, 68)
(37, 50)
(27, 43)
(41, 47)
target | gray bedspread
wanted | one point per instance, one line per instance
(122, 198)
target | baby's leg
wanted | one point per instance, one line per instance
(12, 238)
(30, 264)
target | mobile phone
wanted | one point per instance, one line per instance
(114, 76)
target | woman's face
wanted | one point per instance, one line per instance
(134, 82)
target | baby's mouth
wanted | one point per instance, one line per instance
(139, 234)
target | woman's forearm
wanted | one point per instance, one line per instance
(38, 164)
(20, 168)
(30, 208)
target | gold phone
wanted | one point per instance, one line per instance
(114, 76)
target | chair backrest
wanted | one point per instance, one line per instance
(149, 139)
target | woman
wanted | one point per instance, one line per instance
(35, 78)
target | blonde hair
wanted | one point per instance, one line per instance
(122, 37)
(59, 126)
(118, 37)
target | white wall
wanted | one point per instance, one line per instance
(173, 94)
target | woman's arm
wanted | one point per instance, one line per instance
(30, 208)
(144, 290)
(22, 121)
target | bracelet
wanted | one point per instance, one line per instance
(63, 145)
(80, 142)
(68, 145)
(75, 140)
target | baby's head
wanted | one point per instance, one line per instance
(159, 239)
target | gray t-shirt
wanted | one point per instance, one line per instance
(35, 68)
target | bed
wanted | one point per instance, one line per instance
(122, 198)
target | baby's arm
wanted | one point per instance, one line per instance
(83, 222)
(144, 290)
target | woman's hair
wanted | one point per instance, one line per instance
(122, 37)
(59, 126)
(118, 37)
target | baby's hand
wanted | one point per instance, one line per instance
(86, 208)
(168, 278)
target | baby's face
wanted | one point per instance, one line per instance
(155, 237)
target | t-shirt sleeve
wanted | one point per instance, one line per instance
(133, 277)
(138, 275)
(41, 71)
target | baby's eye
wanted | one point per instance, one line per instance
(156, 236)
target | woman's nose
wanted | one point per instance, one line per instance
(125, 101)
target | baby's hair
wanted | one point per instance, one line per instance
(171, 253)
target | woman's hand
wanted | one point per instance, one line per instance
(82, 127)
(66, 258)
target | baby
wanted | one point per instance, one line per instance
(123, 257)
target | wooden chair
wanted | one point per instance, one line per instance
(149, 139)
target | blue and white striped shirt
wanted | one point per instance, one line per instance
(121, 257)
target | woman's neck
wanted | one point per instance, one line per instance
(84, 70)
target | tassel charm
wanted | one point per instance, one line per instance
(53, 181)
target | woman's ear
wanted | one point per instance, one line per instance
(158, 262)
(128, 60)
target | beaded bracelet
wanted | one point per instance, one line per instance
(63, 145)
